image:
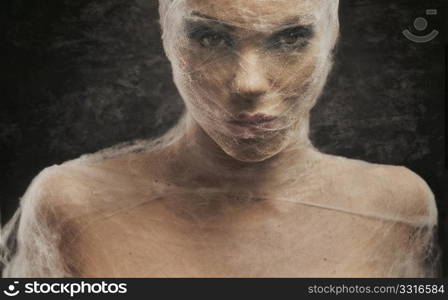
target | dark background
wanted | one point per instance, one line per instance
(82, 75)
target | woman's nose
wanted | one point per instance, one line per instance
(250, 80)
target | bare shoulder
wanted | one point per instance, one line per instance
(41, 223)
(414, 198)
(76, 188)
(53, 194)
(387, 190)
(93, 185)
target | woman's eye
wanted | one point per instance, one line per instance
(209, 37)
(291, 38)
(213, 40)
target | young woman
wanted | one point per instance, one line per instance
(236, 189)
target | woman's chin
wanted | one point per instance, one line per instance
(255, 148)
(251, 151)
(251, 157)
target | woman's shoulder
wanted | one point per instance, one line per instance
(79, 183)
(54, 195)
(41, 218)
(387, 190)
(65, 199)
(97, 183)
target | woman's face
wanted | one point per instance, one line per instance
(249, 71)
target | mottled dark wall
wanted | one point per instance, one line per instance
(82, 75)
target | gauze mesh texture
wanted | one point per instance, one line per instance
(98, 216)
(236, 188)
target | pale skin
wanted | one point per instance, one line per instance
(239, 202)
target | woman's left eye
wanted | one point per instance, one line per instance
(289, 38)
(295, 37)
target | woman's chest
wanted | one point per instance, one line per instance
(314, 243)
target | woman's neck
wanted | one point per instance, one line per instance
(204, 158)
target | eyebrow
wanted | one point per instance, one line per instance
(200, 15)
(293, 21)
(208, 18)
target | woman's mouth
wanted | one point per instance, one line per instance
(255, 119)
(247, 125)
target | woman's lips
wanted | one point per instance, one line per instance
(249, 125)
(245, 118)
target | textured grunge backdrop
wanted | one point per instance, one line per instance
(81, 75)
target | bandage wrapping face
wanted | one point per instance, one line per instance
(249, 73)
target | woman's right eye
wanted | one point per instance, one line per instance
(209, 38)
(214, 40)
